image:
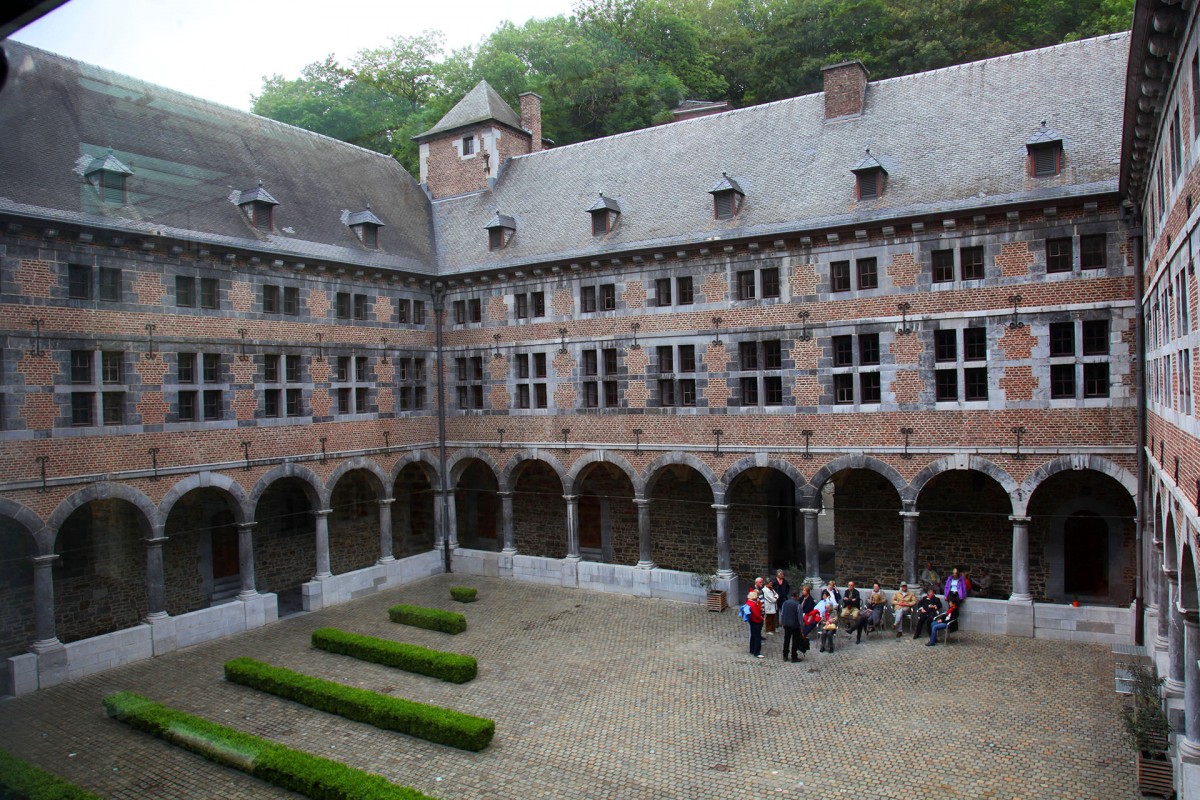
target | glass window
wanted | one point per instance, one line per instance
(868, 275)
(79, 282)
(666, 359)
(974, 344)
(683, 286)
(972, 263)
(843, 351)
(868, 348)
(770, 282)
(185, 291)
(662, 292)
(749, 391)
(839, 276)
(1095, 337)
(946, 385)
(687, 358)
(186, 406)
(1062, 380)
(270, 368)
(843, 389)
(342, 306)
(360, 306)
(209, 293)
(945, 345)
(869, 383)
(1095, 379)
(943, 266)
(748, 355)
(110, 284)
(186, 367)
(745, 285)
(1092, 251)
(1059, 255)
(975, 383)
(81, 408)
(112, 367)
(772, 354)
(291, 300)
(1062, 339)
(81, 366)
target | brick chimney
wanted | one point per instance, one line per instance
(531, 118)
(845, 89)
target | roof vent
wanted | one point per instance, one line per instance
(1045, 147)
(500, 231)
(872, 177)
(108, 175)
(365, 226)
(605, 212)
(728, 197)
(259, 207)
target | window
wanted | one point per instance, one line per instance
(766, 359)
(354, 371)
(110, 284)
(952, 350)
(770, 282)
(848, 370)
(186, 406)
(212, 404)
(1090, 363)
(666, 359)
(1095, 337)
(687, 358)
(868, 276)
(360, 306)
(1062, 339)
(531, 395)
(1092, 251)
(843, 351)
(468, 145)
(945, 345)
(212, 368)
(1095, 379)
(1045, 159)
(726, 204)
(497, 238)
(403, 310)
(590, 364)
(843, 389)
(342, 369)
(209, 293)
(608, 297)
(271, 368)
(291, 300)
(1059, 255)
(522, 306)
(684, 291)
(360, 369)
(868, 348)
(748, 355)
(469, 373)
(185, 291)
(972, 263)
(112, 367)
(662, 292)
(112, 187)
(474, 310)
(186, 367)
(946, 385)
(595, 391)
(81, 408)
(1062, 380)
(869, 386)
(530, 305)
(870, 184)
(410, 373)
(749, 282)
(749, 387)
(271, 399)
(676, 391)
(270, 299)
(974, 344)
(839, 276)
(587, 299)
(943, 266)
(343, 305)
(418, 317)
(460, 312)
(745, 285)
(81, 366)
(79, 282)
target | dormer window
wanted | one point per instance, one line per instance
(870, 177)
(500, 231)
(728, 198)
(605, 212)
(366, 227)
(259, 207)
(108, 175)
(1045, 148)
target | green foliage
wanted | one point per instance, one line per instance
(618, 65)
(463, 594)
(452, 667)
(431, 618)
(20, 779)
(1146, 725)
(432, 723)
(308, 775)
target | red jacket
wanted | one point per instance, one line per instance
(756, 612)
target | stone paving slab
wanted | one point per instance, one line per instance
(605, 696)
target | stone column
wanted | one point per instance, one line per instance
(452, 517)
(1189, 747)
(323, 544)
(1175, 646)
(156, 586)
(506, 517)
(909, 519)
(246, 560)
(572, 526)
(1162, 635)
(1020, 560)
(45, 636)
(724, 558)
(439, 513)
(812, 550)
(385, 531)
(643, 509)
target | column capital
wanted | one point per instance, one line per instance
(504, 495)
(44, 561)
(1017, 519)
(912, 514)
(387, 501)
(642, 502)
(810, 512)
(720, 508)
(323, 512)
(157, 541)
(571, 498)
(247, 526)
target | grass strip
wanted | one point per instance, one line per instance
(21, 780)
(432, 723)
(452, 667)
(295, 770)
(463, 594)
(432, 618)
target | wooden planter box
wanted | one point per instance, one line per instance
(1155, 776)
(716, 600)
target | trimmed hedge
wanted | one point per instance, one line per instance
(20, 779)
(432, 618)
(463, 594)
(432, 723)
(451, 667)
(297, 771)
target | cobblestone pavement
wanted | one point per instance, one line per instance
(606, 696)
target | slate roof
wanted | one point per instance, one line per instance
(481, 104)
(189, 158)
(951, 140)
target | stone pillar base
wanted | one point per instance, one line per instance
(570, 570)
(162, 633)
(1187, 782)
(52, 667)
(311, 595)
(817, 585)
(1018, 617)
(646, 565)
(1189, 751)
(729, 584)
(1173, 688)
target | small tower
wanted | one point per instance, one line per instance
(465, 149)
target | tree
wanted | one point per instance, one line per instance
(405, 68)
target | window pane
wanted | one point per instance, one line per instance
(539, 365)
(608, 296)
(295, 403)
(187, 406)
(687, 358)
(1058, 255)
(770, 283)
(1095, 380)
(869, 384)
(666, 393)
(945, 345)
(110, 284)
(293, 368)
(975, 383)
(1092, 251)
(112, 367)
(271, 403)
(212, 367)
(773, 390)
(587, 298)
(772, 354)
(687, 392)
(943, 266)
(749, 391)
(843, 389)
(610, 394)
(684, 285)
(270, 299)
(343, 368)
(590, 363)
(1062, 380)
(843, 351)
(868, 348)
(81, 408)
(343, 305)
(522, 306)
(946, 385)
(1095, 337)
(209, 293)
(610, 361)
(271, 368)
(745, 285)
(212, 405)
(972, 263)
(187, 367)
(185, 292)
(79, 282)
(748, 355)
(868, 277)
(360, 306)
(291, 300)
(81, 366)
(1062, 339)
(523, 395)
(474, 310)
(522, 366)
(974, 344)
(839, 276)
(662, 292)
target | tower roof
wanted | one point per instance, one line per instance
(481, 104)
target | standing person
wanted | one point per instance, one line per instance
(944, 620)
(781, 586)
(756, 623)
(957, 584)
(789, 618)
(902, 605)
(928, 608)
(851, 606)
(809, 616)
(770, 602)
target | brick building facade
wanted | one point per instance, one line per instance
(247, 368)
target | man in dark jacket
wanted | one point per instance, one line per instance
(789, 618)
(927, 608)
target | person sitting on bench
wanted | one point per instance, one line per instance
(927, 608)
(944, 620)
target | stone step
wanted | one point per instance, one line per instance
(225, 590)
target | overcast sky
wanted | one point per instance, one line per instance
(221, 49)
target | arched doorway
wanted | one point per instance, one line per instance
(476, 509)
(201, 558)
(861, 533)
(684, 525)
(608, 521)
(285, 550)
(412, 513)
(965, 524)
(762, 522)
(1085, 537)
(354, 521)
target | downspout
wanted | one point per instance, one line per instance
(439, 305)
(1139, 622)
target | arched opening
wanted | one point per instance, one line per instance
(1082, 538)
(412, 513)
(100, 575)
(861, 533)
(285, 550)
(354, 521)
(608, 519)
(539, 511)
(1189, 598)
(476, 508)
(201, 560)
(763, 534)
(16, 592)
(684, 524)
(965, 524)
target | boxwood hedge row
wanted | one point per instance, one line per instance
(432, 723)
(432, 618)
(452, 667)
(463, 594)
(297, 771)
(20, 779)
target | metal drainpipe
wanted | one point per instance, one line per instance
(1139, 624)
(439, 305)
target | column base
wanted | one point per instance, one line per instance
(40, 646)
(817, 585)
(247, 594)
(508, 551)
(1020, 597)
(1189, 751)
(385, 560)
(156, 617)
(646, 565)
(1019, 616)
(1173, 688)
(322, 576)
